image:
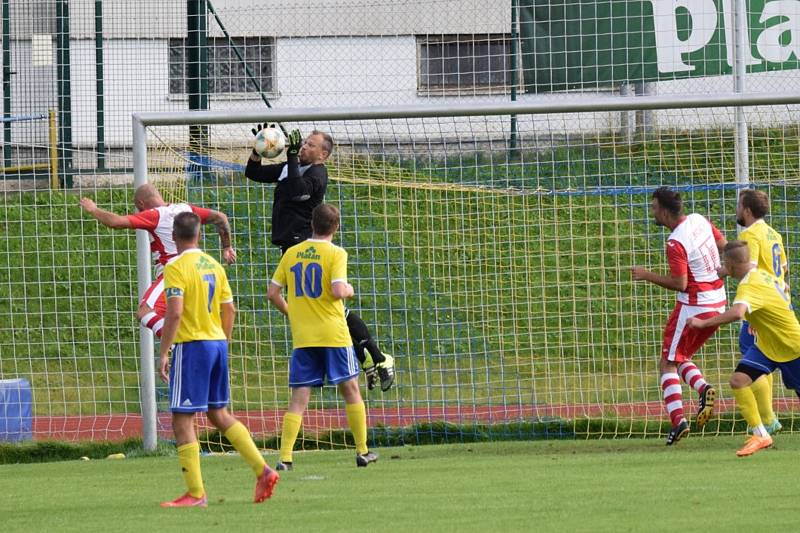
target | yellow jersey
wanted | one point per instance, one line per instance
(307, 271)
(202, 283)
(770, 314)
(766, 248)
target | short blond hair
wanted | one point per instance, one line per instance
(737, 252)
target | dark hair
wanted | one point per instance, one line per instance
(327, 140)
(669, 200)
(756, 201)
(325, 219)
(186, 226)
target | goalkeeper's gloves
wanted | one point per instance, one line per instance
(293, 143)
(260, 127)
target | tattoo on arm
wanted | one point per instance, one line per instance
(223, 227)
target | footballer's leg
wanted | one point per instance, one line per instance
(188, 379)
(153, 307)
(671, 391)
(357, 420)
(359, 334)
(189, 459)
(692, 376)
(340, 363)
(367, 364)
(762, 391)
(740, 383)
(292, 422)
(761, 387)
(385, 367)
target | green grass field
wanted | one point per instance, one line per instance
(623, 485)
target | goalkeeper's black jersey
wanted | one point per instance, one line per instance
(296, 195)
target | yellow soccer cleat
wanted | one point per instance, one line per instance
(706, 407)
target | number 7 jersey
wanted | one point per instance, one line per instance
(307, 271)
(202, 283)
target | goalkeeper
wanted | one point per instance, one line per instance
(301, 183)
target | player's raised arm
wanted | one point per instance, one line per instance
(106, 218)
(220, 220)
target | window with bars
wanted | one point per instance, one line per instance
(464, 62)
(226, 73)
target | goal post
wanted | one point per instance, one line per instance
(498, 277)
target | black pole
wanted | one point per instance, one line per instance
(64, 97)
(6, 85)
(197, 69)
(512, 141)
(99, 81)
(238, 53)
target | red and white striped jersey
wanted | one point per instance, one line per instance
(692, 251)
(158, 223)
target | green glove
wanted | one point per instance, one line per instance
(293, 143)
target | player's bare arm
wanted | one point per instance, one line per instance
(671, 282)
(276, 298)
(220, 220)
(721, 245)
(172, 320)
(106, 218)
(734, 314)
(342, 290)
(227, 315)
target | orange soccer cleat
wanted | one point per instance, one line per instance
(754, 444)
(187, 500)
(265, 484)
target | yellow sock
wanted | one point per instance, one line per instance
(357, 419)
(238, 435)
(762, 390)
(746, 402)
(189, 457)
(291, 427)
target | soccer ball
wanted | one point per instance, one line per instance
(269, 142)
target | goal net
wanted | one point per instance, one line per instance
(496, 272)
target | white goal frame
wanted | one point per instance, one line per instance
(567, 106)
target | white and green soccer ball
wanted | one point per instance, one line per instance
(269, 143)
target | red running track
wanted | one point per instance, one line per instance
(122, 426)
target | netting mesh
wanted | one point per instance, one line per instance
(491, 259)
(499, 279)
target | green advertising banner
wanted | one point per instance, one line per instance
(572, 44)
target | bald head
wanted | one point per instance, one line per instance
(147, 197)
